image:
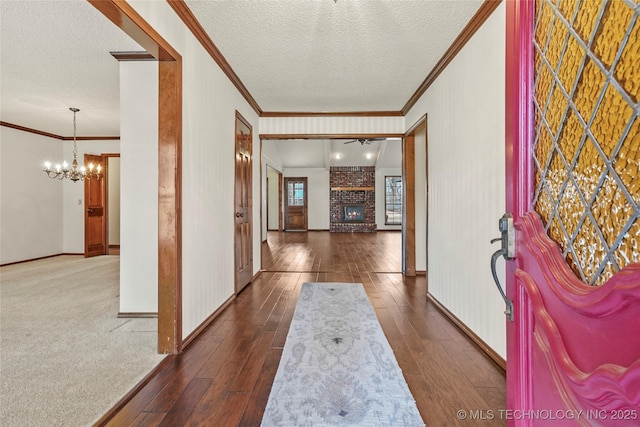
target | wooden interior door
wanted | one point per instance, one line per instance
(243, 203)
(572, 158)
(295, 210)
(95, 214)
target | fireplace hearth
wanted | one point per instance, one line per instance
(352, 213)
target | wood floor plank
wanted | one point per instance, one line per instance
(225, 375)
(148, 419)
(260, 394)
(186, 403)
(250, 372)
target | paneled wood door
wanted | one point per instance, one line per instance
(295, 210)
(572, 186)
(243, 203)
(95, 215)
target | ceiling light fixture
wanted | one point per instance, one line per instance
(75, 173)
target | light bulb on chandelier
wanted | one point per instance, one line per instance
(75, 172)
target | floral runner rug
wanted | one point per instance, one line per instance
(337, 368)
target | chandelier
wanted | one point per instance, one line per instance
(75, 172)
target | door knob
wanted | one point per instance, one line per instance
(507, 250)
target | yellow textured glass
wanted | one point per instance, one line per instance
(567, 8)
(610, 121)
(627, 71)
(611, 32)
(587, 18)
(587, 143)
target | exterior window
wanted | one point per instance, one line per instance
(393, 200)
(296, 194)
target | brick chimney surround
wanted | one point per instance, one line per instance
(352, 185)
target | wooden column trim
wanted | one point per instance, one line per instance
(409, 208)
(170, 208)
(169, 167)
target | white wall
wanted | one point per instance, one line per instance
(31, 205)
(209, 103)
(317, 195)
(380, 193)
(139, 189)
(466, 123)
(114, 200)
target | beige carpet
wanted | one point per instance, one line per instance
(65, 357)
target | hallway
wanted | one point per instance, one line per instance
(223, 378)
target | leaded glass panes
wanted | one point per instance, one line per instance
(587, 132)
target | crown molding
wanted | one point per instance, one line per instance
(332, 114)
(483, 13)
(185, 14)
(26, 129)
(329, 136)
(54, 136)
(487, 8)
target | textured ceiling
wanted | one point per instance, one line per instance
(55, 55)
(321, 55)
(292, 55)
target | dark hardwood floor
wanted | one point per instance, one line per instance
(223, 378)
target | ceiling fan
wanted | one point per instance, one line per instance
(364, 141)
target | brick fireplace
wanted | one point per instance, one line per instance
(352, 199)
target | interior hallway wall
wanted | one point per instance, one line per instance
(209, 105)
(466, 195)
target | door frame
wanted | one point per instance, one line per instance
(105, 177)
(279, 206)
(105, 217)
(409, 196)
(264, 137)
(518, 136)
(306, 199)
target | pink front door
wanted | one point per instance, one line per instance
(573, 188)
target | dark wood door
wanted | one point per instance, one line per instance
(295, 211)
(95, 218)
(243, 230)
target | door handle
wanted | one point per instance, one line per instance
(239, 215)
(508, 251)
(90, 210)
